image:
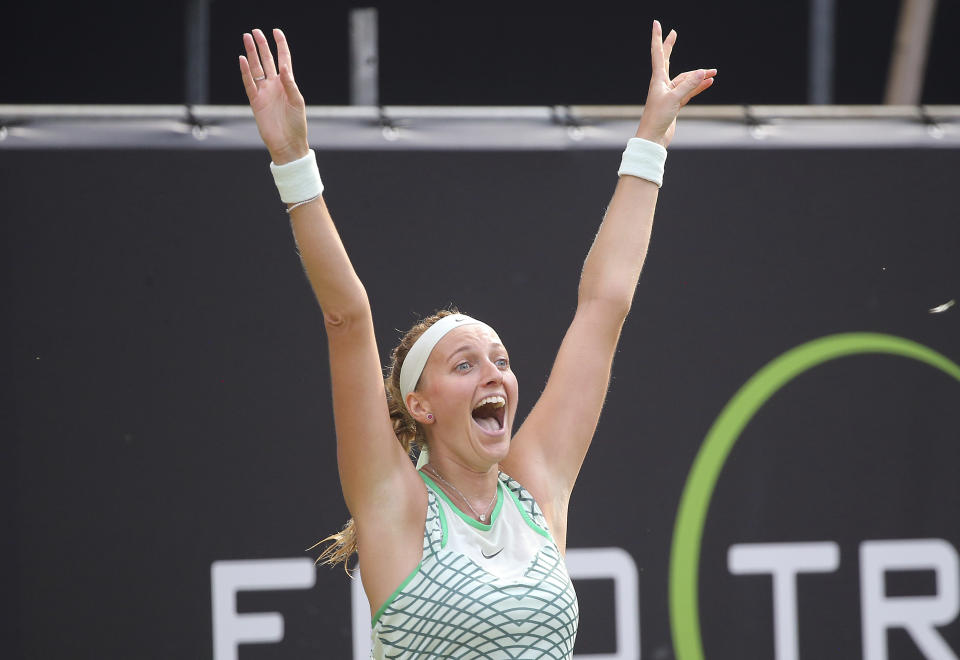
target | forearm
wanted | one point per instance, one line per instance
(280, 113)
(613, 265)
(335, 283)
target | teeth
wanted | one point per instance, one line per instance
(497, 399)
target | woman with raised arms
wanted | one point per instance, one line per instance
(462, 556)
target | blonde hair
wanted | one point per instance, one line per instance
(410, 435)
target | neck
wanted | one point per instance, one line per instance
(475, 489)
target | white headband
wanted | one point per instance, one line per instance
(417, 355)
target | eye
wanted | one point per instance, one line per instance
(463, 367)
(502, 363)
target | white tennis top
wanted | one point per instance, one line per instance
(482, 591)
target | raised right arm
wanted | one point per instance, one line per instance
(374, 469)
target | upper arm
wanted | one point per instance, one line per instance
(374, 468)
(548, 450)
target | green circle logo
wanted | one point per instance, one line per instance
(692, 514)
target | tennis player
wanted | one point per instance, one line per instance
(462, 554)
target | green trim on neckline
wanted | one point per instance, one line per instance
(443, 526)
(523, 512)
(443, 515)
(467, 519)
(376, 617)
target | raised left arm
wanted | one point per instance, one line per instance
(549, 448)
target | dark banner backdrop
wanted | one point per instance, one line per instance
(171, 405)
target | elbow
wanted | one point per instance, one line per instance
(612, 303)
(610, 310)
(348, 314)
(618, 309)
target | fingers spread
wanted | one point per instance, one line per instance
(656, 50)
(266, 57)
(688, 81)
(289, 86)
(707, 82)
(668, 50)
(703, 84)
(707, 73)
(248, 83)
(252, 56)
(283, 50)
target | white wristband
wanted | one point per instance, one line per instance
(299, 179)
(643, 159)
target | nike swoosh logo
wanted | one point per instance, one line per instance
(486, 556)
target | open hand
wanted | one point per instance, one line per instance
(665, 97)
(277, 104)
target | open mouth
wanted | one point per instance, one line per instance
(489, 413)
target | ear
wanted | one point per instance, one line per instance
(419, 408)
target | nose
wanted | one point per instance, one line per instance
(491, 372)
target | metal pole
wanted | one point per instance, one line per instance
(198, 50)
(820, 81)
(364, 62)
(908, 62)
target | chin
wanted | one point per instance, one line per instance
(500, 451)
(492, 441)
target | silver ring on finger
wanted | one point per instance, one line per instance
(259, 78)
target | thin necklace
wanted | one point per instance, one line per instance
(481, 516)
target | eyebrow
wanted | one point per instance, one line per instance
(467, 347)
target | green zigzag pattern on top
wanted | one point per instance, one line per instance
(453, 608)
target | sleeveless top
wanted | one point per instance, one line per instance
(482, 591)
